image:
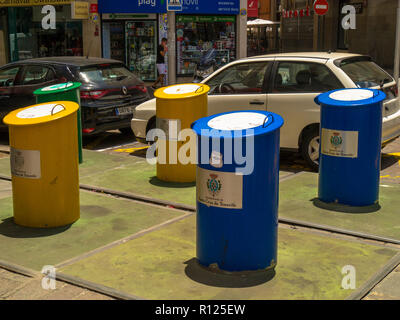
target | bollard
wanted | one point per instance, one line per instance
(177, 107)
(69, 91)
(44, 164)
(237, 204)
(350, 157)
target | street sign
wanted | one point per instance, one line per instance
(321, 7)
(174, 5)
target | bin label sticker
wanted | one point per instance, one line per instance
(43, 110)
(216, 159)
(25, 163)
(338, 143)
(171, 128)
(219, 189)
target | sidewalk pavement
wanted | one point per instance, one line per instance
(118, 240)
(15, 286)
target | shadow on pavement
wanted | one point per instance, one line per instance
(344, 208)
(157, 182)
(388, 161)
(222, 279)
(9, 229)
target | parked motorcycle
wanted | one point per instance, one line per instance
(206, 66)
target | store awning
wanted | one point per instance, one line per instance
(260, 23)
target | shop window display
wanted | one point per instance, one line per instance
(195, 35)
(27, 38)
(141, 48)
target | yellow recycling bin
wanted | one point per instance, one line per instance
(178, 106)
(44, 164)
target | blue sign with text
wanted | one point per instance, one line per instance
(132, 6)
(160, 6)
(211, 6)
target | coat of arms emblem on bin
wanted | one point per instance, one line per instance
(213, 185)
(336, 139)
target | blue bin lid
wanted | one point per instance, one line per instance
(261, 122)
(350, 97)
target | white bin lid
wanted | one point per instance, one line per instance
(40, 111)
(182, 89)
(351, 95)
(237, 121)
(58, 86)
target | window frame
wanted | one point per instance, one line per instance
(271, 81)
(265, 85)
(17, 75)
(25, 68)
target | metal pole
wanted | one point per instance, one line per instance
(171, 48)
(397, 48)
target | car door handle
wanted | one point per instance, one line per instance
(4, 97)
(260, 103)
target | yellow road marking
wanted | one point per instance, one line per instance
(130, 150)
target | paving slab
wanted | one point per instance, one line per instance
(161, 265)
(103, 220)
(388, 289)
(5, 189)
(93, 163)
(296, 202)
(141, 178)
(130, 174)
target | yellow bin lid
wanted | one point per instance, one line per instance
(41, 113)
(182, 91)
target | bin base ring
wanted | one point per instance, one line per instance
(332, 206)
(213, 276)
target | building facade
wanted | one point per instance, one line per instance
(24, 32)
(374, 34)
(131, 33)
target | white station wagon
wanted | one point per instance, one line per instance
(287, 85)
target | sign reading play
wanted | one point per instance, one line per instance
(161, 6)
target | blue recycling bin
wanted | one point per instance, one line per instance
(237, 200)
(350, 146)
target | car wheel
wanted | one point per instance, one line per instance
(126, 131)
(310, 148)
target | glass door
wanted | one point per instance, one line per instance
(141, 43)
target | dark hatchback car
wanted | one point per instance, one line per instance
(109, 91)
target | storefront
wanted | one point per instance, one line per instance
(195, 35)
(131, 32)
(132, 39)
(23, 36)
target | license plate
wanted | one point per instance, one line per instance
(124, 110)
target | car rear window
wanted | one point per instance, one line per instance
(364, 72)
(105, 73)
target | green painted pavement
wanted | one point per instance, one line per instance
(94, 163)
(129, 174)
(295, 202)
(5, 189)
(159, 265)
(103, 220)
(141, 178)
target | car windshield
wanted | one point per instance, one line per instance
(105, 73)
(364, 72)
